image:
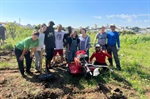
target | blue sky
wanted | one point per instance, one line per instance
(77, 12)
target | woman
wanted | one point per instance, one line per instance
(84, 42)
(22, 50)
(73, 42)
(40, 48)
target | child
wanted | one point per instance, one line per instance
(100, 56)
(73, 42)
(39, 50)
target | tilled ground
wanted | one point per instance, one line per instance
(61, 86)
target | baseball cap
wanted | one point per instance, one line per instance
(51, 22)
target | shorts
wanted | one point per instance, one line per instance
(60, 52)
(49, 53)
(2, 37)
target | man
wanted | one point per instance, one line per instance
(65, 41)
(49, 45)
(2, 34)
(100, 56)
(59, 35)
(113, 38)
(26, 49)
(101, 37)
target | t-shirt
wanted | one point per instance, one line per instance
(101, 38)
(2, 30)
(100, 57)
(27, 43)
(59, 39)
(49, 38)
(41, 42)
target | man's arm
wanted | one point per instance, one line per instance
(108, 55)
(118, 40)
(23, 53)
(91, 58)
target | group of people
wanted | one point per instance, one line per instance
(54, 41)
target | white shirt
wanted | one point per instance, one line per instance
(41, 42)
(59, 39)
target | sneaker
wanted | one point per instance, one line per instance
(29, 72)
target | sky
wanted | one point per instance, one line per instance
(77, 13)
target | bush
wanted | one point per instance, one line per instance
(8, 46)
(127, 33)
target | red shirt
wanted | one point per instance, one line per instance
(100, 56)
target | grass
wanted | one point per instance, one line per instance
(134, 58)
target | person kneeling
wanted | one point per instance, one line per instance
(100, 56)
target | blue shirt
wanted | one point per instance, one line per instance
(113, 38)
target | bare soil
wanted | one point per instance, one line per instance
(61, 86)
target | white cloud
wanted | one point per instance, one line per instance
(98, 17)
(146, 21)
(128, 17)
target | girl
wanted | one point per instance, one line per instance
(39, 50)
(84, 42)
(73, 42)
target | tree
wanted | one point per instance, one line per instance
(126, 32)
(11, 29)
(135, 29)
(37, 27)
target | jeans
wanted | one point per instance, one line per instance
(28, 59)
(113, 50)
(38, 60)
(72, 55)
